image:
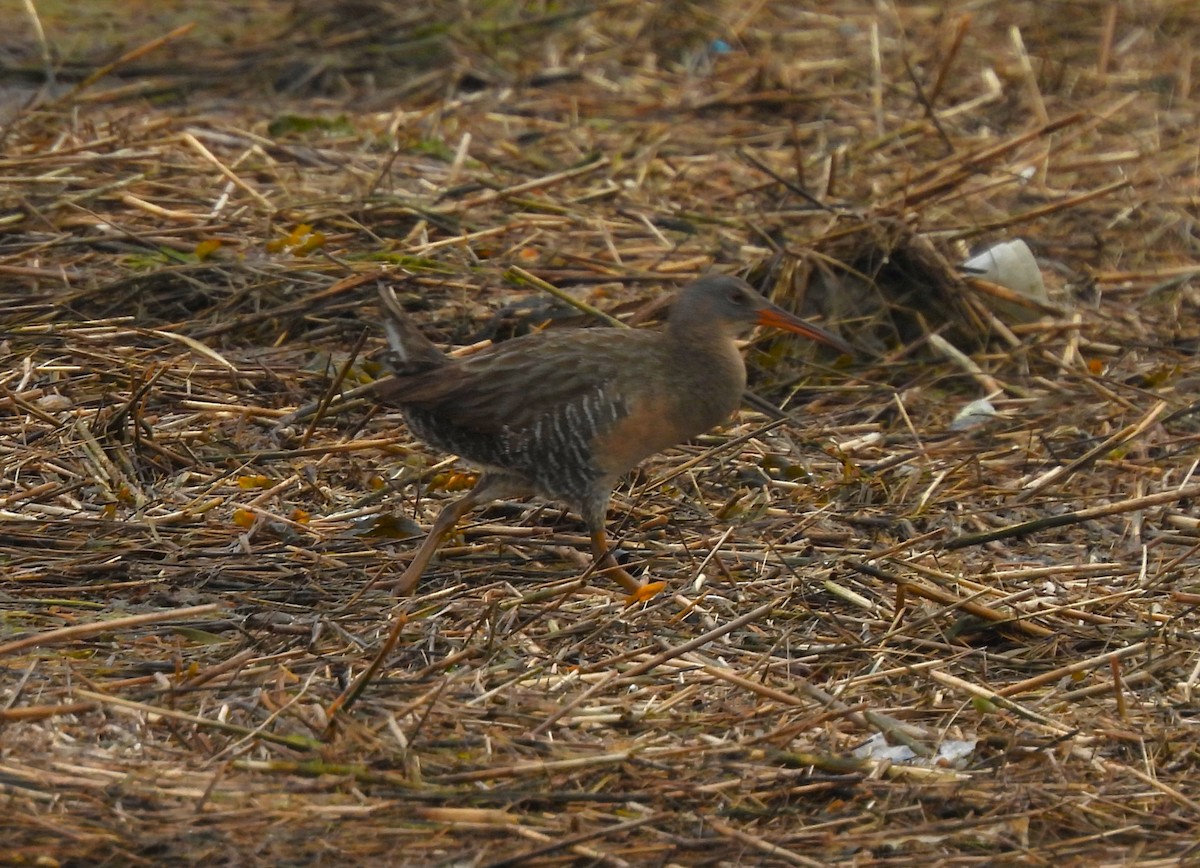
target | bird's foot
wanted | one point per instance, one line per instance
(645, 593)
(639, 592)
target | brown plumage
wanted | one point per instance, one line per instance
(564, 414)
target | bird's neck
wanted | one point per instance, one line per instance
(709, 370)
(694, 328)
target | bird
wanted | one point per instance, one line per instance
(564, 414)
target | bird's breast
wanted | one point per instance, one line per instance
(690, 397)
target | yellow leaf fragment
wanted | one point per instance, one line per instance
(206, 248)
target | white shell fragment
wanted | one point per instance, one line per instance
(1010, 264)
(973, 415)
(54, 402)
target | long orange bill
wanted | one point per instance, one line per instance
(777, 317)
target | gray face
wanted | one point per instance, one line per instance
(726, 303)
(730, 306)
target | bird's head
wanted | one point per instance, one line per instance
(731, 305)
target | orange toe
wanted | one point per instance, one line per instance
(646, 592)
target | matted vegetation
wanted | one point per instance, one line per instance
(189, 252)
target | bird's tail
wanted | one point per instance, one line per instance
(411, 352)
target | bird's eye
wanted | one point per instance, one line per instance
(736, 296)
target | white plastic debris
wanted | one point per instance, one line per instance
(955, 751)
(951, 752)
(877, 748)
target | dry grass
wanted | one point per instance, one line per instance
(183, 564)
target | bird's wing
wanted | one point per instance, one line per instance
(537, 377)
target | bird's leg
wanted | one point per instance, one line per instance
(442, 526)
(607, 564)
